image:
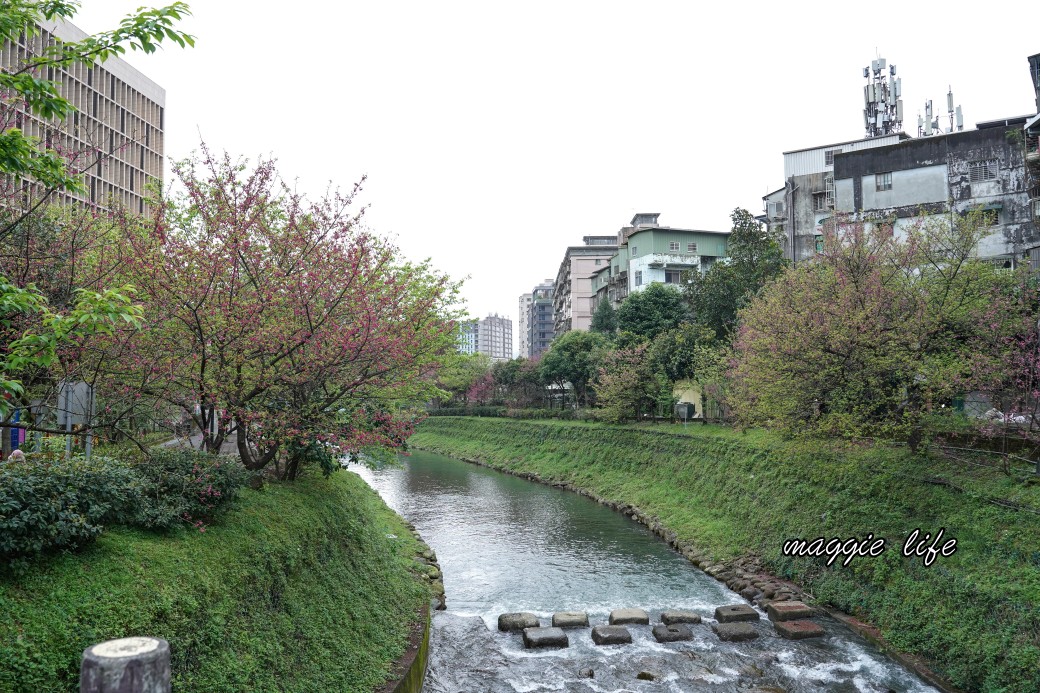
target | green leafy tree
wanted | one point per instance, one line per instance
(459, 373)
(655, 309)
(574, 358)
(628, 386)
(755, 258)
(604, 320)
(677, 352)
(861, 340)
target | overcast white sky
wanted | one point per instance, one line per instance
(496, 134)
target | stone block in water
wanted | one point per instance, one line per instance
(798, 630)
(735, 612)
(620, 617)
(734, 632)
(611, 635)
(674, 633)
(545, 637)
(517, 621)
(788, 611)
(570, 619)
(679, 616)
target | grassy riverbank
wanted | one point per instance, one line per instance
(975, 614)
(301, 587)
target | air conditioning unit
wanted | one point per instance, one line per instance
(775, 210)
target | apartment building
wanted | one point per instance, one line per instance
(572, 288)
(116, 132)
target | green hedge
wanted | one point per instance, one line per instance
(975, 614)
(304, 587)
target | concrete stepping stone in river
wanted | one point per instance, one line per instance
(620, 617)
(798, 630)
(611, 635)
(734, 632)
(545, 637)
(788, 611)
(674, 633)
(517, 621)
(735, 612)
(673, 616)
(570, 619)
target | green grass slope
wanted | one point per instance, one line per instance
(974, 614)
(302, 587)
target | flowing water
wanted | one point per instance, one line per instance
(506, 544)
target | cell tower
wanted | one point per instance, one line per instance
(883, 109)
(929, 124)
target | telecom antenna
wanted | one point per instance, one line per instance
(929, 125)
(883, 107)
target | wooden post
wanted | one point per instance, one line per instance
(127, 665)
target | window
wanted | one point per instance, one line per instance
(672, 277)
(819, 243)
(598, 262)
(691, 247)
(635, 250)
(819, 202)
(979, 171)
(673, 246)
(883, 181)
(990, 217)
(639, 278)
(828, 156)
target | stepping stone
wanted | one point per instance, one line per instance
(798, 630)
(517, 621)
(545, 637)
(674, 633)
(679, 616)
(622, 616)
(611, 635)
(735, 612)
(734, 632)
(788, 611)
(570, 619)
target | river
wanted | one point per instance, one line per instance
(506, 544)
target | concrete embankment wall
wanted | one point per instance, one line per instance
(974, 615)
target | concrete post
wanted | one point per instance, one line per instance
(127, 665)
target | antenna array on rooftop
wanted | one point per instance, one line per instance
(883, 107)
(929, 124)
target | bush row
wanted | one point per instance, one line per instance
(506, 412)
(48, 505)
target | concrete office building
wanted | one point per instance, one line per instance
(119, 111)
(495, 337)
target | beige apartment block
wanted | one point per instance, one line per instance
(117, 128)
(572, 290)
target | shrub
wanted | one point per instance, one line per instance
(182, 485)
(63, 505)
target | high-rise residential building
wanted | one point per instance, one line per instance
(495, 337)
(524, 325)
(541, 322)
(119, 113)
(468, 337)
(572, 290)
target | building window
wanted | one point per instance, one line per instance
(990, 217)
(979, 171)
(672, 277)
(828, 156)
(819, 201)
(635, 250)
(819, 243)
(883, 181)
(639, 278)
(598, 262)
(673, 246)
(691, 247)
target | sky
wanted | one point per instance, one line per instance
(495, 134)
